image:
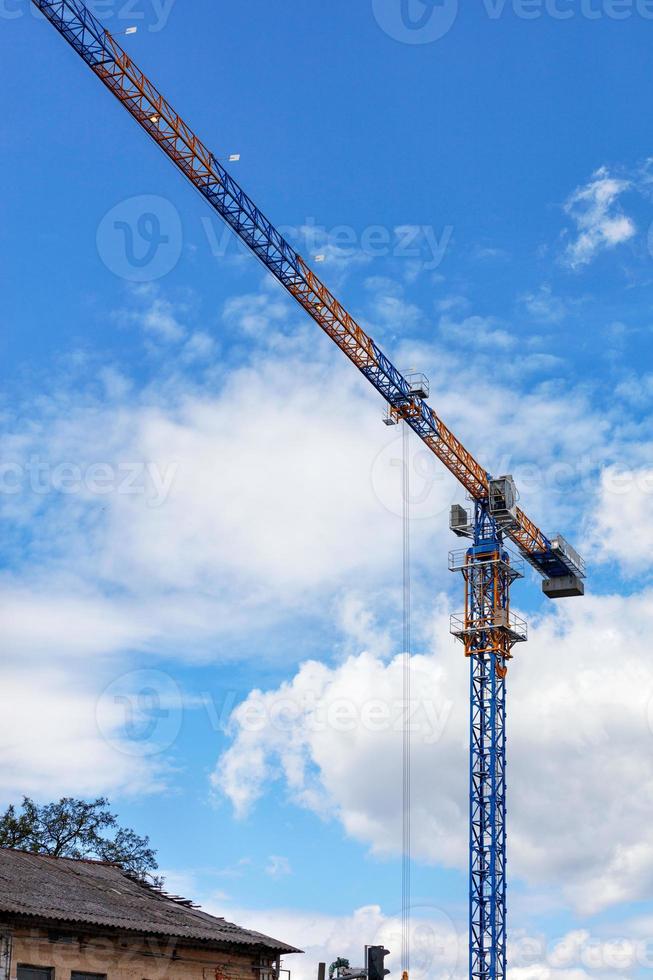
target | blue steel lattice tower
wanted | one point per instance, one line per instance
(489, 631)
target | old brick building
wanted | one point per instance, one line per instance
(84, 920)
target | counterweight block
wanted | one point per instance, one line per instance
(564, 587)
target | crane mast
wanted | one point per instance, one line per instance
(489, 632)
(488, 629)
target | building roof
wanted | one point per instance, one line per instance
(93, 893)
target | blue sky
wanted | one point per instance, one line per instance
(201, 505)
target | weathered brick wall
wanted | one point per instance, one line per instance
(129, 959)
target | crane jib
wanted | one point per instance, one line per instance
(132, 88)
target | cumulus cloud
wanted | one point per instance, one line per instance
(52, 745)
(257, 313)
(437, 948)
(278, 866)
(157, 316)
(601, 223)
(82, 625)
(621, 529)
(166, 520)
(637, 390)
(156, 521)
(544, 305)
(72, 729)
(200, 346)
(173, 485)
(439, 943)
(477, 331)
(179, 488)
(172, 491)
(579, 732)
(395, 312)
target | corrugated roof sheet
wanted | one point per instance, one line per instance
(98, 894)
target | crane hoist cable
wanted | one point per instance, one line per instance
(407, 714)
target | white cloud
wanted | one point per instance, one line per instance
(454, 302)
(600, 222)
(437, 949)
(579, 953)
(81, 625)
(64, 731)
(156, 315)
(278, 496)
(76, 717)
(245, 515)
(240, 518)
(477, 331)
(438, 944)
(51, 744)
(621, 526)
(544, 305)
(269, 512)
(278, 866)
(485, 252)
(395, 312)
(256, 314)
(541, 363)
(200, 346)
(160, 320)
(579, 732)
(637, 390)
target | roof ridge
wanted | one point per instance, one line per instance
(57, 857)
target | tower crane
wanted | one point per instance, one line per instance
(487, 628)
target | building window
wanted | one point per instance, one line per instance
(76, 975)
(34, 972)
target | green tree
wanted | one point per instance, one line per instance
(77, 829)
